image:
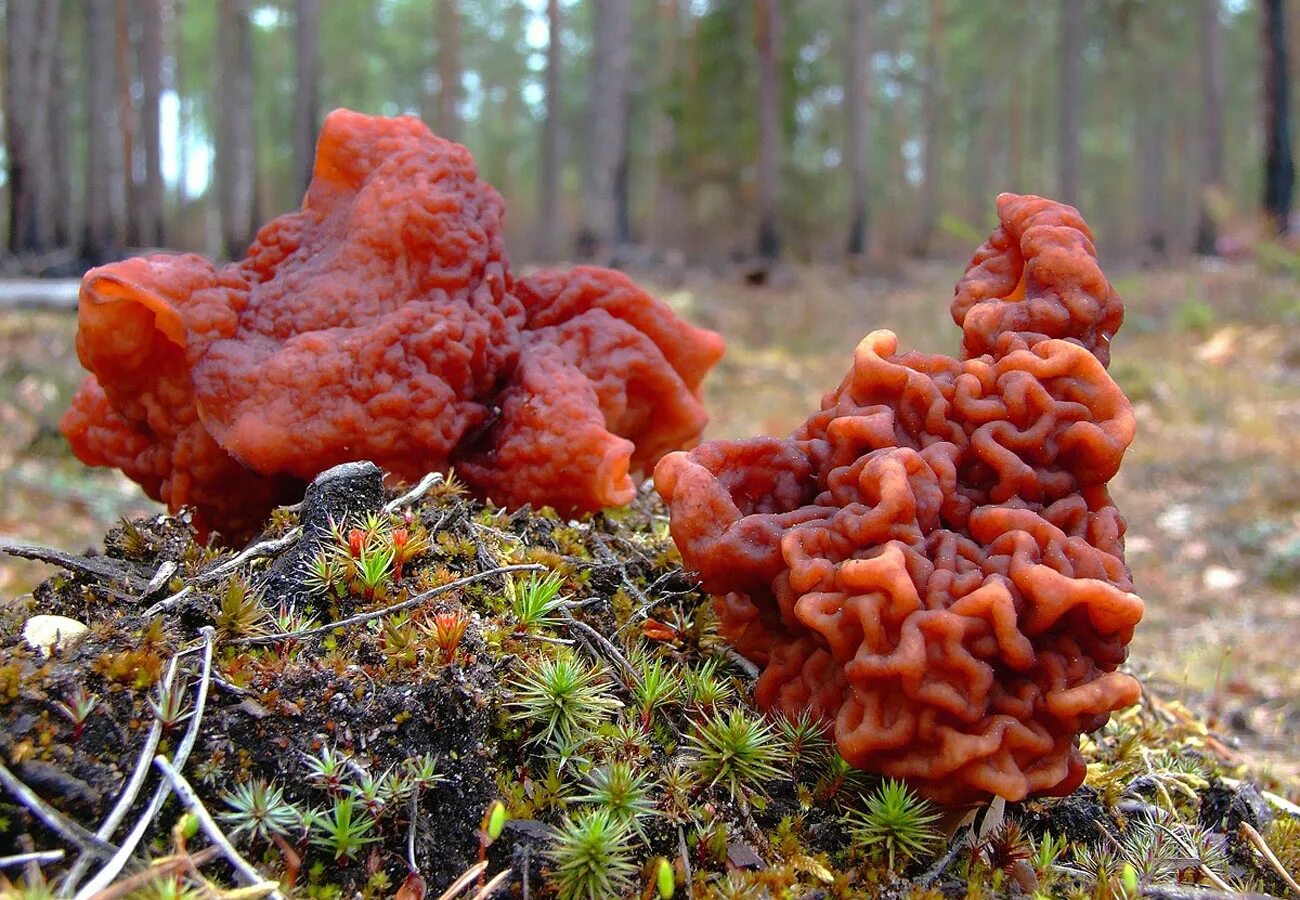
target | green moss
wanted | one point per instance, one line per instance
(490, 693)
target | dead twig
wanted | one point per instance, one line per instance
(417, 600)
(220, 570)
(169, 602)
(415, 493)
(608, 650)
(745, 665)
(160, 578)
(935, 872)
(104, 877)
(263, 548)
(1267, 852)
(129, 792)
(469, 875)
(607, 558)
(1191, 853)
(243, 869)
(483, 554)
(492, 886)
(545, 639)
(56, 821)
(95, 566)
(160, 868)
(39, 857)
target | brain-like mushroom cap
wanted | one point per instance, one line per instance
(931, 563)
(381, 322)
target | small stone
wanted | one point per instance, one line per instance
(1249, 805)
(742, 856)
(50, 633)
(251, 707)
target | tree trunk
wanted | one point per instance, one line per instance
(181, 84)
(1151, 158)
(1213, 92)
(1279, 168)
(550, 193)
(236, 163)
(126, 122)
(306, 107)
(931, 112)
(1071, 99)
(104, 199)
(768, 37)
(607, 143)
(30, 55)
(150, 15)
(61, 144)
(1015, 126)
(449, 69)
(855, 98)
(668, 204)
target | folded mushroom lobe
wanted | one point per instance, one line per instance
(381, 321)
(932, 564)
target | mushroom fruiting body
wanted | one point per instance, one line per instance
(932, 563)
(380, 321)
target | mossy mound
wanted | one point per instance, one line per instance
(567, 670)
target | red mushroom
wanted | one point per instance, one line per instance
(932, 563)
(380, 321)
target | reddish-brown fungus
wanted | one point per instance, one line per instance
(932, 563)
(380, 321)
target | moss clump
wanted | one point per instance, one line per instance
(587, 698)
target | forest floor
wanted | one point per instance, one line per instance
(1210, 356)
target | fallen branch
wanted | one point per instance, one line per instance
(602, 643)
(417, 600)
(1191, 853)
(607, 559)
(264, 548)
(56, 821)
(167, 603)
(745, 665)
(95, 566)
(935, 872)
(160, 578)
(243, 869)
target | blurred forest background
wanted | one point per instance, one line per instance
(700, 130)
